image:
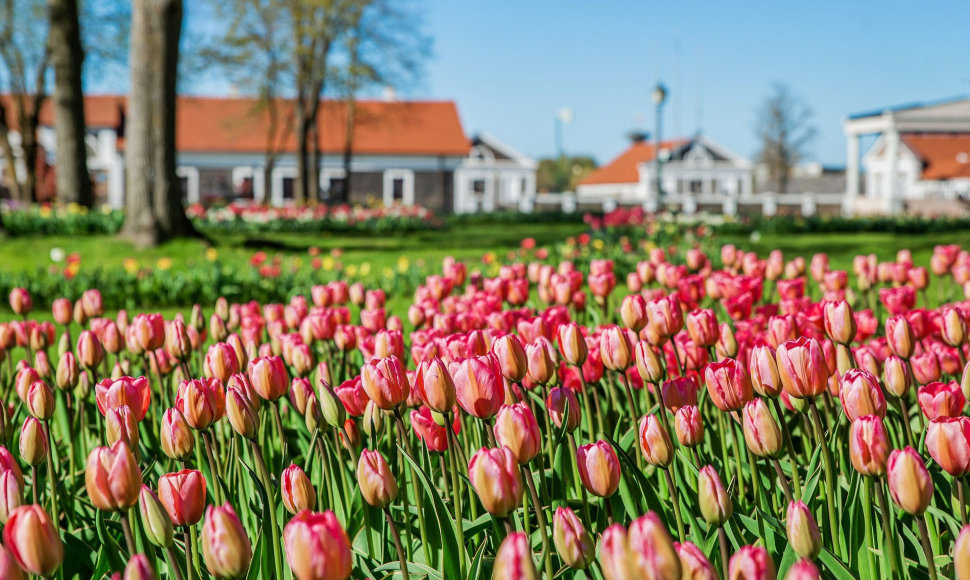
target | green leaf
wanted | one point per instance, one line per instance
(448, 536)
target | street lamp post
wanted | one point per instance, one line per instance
(564, 116)
(659, 95)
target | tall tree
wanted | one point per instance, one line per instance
(67, 56)
(153, 200)
(785, 129)
(25, 55)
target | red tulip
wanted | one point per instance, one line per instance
(926, 367)
(802, 368)
(148, 331)
(176, 435)
(297, 491)
(665, 316)
(479, 385)
(563, 406)
(693, 563)
(201, 401)
(803, 570)
(899, 336)
(751, 563)
(135, 393)
(572, 344)
(268, 377)
(633, 312)
(226, 548)
(860, 395)
(183, 495)
(428, 430)
(599, 468)
(702, 327)
(20, 301)
(615, 348)
(494, 473)
(221, 362)
(317, 547)
(689, 426)
(941, 400)
(910, 483)
(839, 321)
(948, 441)
(652, 550)
(378, 485)
(728, 384)
(516, 428)
(89, 350)
(679, 392)
(33, 541)
(514, 561)
(542, 360)
(869, 445)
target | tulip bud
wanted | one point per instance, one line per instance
(68, 372)
(90, 353)
(183, 495)
(648, 362)
(599, 468)
(11, 494)
(514, 559)
(572, 344)
(761, 432)
(479, 385)
(727, 343)
(803, 570)
(839, 321)
(243, 418)
(8, 566)
(615, 348)
(542, 360)
(120, 425)
(948, 442)
(702, 327)
(511, 358)
(494, 473)
(633, 312)
(268, 377)
(728, 384)
(802, 368)
(373, 418)
(516, 428)
(652, 550)
(33, 541)
(655, 442)
(386, 382)
(860, 395)
(563, 406)
(803, 534)
(33, 442)
(226, 548)
(139, 568)
(899, 336)
(317, 547)
(910, 483)
(157, 524)
(40, 401)
(868, 445)
(693, 563)
(751, 563)
(176, 435)
(112, 477)
(20, 301)
(689, 426)
(297, 491)
(573, 542)
(961, 554)
(331, 407)
(712, 498)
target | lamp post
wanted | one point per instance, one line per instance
(564, 116)
(659, 95)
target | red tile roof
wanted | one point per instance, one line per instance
(238, 125)
(623, 169)
(944, 155)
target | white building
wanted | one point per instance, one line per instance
(407, 152)
(690, 169)
(920, 157)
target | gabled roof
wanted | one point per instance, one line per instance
(241, 125)
(623, 169)
(943, 156)
(506, 151)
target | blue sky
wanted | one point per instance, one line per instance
(511, 64)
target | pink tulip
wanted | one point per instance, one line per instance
(317, 547)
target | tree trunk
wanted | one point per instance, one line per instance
(10, 169)
(73, 181)
(28, 144)
(313, 180)
(153, 201)
(301, 189)
(349, 147)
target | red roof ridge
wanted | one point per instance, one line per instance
(623, 167)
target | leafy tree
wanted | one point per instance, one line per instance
(785, 129)
(563, 174)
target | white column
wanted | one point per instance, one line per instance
(851, 174)
(891, 201)
(259, 184)
(116, 182)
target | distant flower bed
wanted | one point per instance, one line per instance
(344, 218)
(44, 219)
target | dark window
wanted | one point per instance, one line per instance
(184, 188)
(695, 186)
(478, 186)
(397, 187)
(288, 187)
(337, 186)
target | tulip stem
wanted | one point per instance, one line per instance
(33, 483)
(397, 543)
(907, 427)
(927, 548)
(675, 503)
(213, 469)
(541, 517)
(963, 503)
(270, 506)
(126, 528)
(782, 480)
(867, 521)
(890, 539)
(52, 475)
(723, 541)
(786, 433)
(829, 477)
(459, 525)
(279, 425)
(419, 502)
(173, 564)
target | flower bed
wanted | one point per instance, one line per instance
(70, 220)
(240, 218)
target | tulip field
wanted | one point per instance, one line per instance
(613, 412)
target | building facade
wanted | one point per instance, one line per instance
(238, 149)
